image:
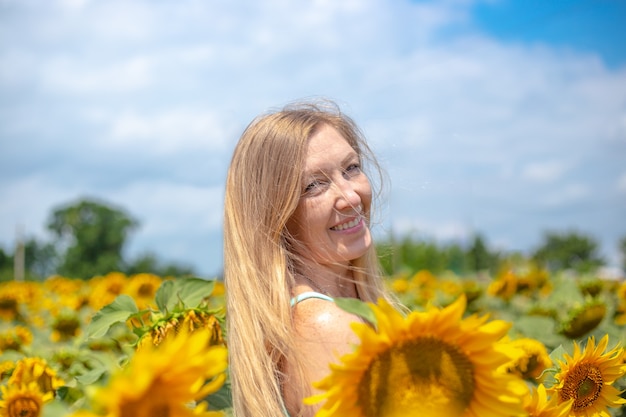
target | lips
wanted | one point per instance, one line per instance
(347, 225)
(350, 223)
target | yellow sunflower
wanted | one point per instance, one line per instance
(6, 369)
(15, 338)
(36, 370)
(537, 404)
(23, 400)
(65, 326)
(106, 288)
(504, 286)
(9, 302)
(432, 363)
(165, 379)
(583, 319)
(587, 378)
(143, 287)
(399, 285)
(532, 360)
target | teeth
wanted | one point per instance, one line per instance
(347, 225)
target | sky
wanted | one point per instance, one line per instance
(504, 118)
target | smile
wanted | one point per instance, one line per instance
(348, 225)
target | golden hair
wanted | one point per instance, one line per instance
(263, 188)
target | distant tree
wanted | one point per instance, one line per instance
(6, 266)
(456, 259)
(568, 250)
(6, 260)
(411, 255)
(478, 256)
(149, 262)
(41, 259)
(93, 234)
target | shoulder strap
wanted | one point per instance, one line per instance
(307, 295)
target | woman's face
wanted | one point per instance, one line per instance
(332, 217)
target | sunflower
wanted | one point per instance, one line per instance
(106, 288)
(165, 379)
(65, 326)
(143, 287)
(9, 302)
(537, 404)
(429, 363)
(587, 378)
(36, 370)
(23, 400)
(400, 285)
(504, 286)
(583, 319)
(533, 359)
(15, 338)
(198, 319)
(6, 369)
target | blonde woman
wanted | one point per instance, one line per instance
(298, 206)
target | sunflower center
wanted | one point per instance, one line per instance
(425, 376)
(23, 407)
(584, 385)
(146, 290)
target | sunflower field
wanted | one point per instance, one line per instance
(523, 342)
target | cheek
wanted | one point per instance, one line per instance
(366, 194)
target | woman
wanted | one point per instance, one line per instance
(296, 235)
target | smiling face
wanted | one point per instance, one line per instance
(331, 222)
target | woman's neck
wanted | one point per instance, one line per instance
(332, 281)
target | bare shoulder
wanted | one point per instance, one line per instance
(321, 318)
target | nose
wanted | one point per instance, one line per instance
(347, 195)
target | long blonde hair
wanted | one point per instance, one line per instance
(263, 188)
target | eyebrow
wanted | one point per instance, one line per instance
(348, 158)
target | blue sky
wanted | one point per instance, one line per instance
(506, 118)
(594, 26)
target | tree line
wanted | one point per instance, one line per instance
(89, 237)
(559, 250)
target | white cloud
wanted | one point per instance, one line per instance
(27, 203)
(66, 75)
(170, 131)
(426, 228)
(547, 171)
(461, 122)
(569, 194)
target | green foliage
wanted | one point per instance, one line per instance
(411, 255)
(120, 310)
(358, 308)
(178, 294)
(149, 263)
(568, 250)
(40, 259)
(94, 234)
(478, 256)
(172, 298)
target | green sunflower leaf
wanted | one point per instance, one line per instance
(191, 291)
(118, 311)
(164, 294)
(558, 355)
(183, 293)
(358, 308)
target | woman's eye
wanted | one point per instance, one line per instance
(312, 186)
(353, 169)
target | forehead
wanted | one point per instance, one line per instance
(327, 148)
